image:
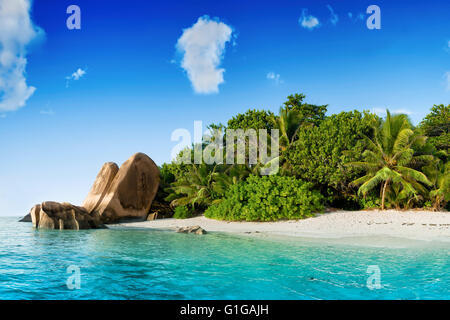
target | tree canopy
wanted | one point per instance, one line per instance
(320, 153)
(253, 119)
(436, 126)
(347, 160)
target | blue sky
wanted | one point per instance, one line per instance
(139, 85)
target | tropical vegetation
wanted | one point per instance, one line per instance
(350, 160)
(268, 198)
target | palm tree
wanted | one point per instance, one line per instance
(288, 122)
(196, 187)
(231, 175)
(390, 158)
(439, 174)
(441, 192)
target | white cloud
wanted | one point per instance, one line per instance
(77, 75)
(308, 21)
(334, 17)
(16, 33)
(203, 47)
(275, 77)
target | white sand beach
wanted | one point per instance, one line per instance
(416, 225)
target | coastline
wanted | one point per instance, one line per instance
(413, 225)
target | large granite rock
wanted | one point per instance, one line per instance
(101, 185)
(129, 194)
(117, 194)
(64, 216)
(35, 214)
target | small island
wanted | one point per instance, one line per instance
(347, 174)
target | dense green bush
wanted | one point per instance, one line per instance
(183, 212)
(370, 201)
(253, 119)
(320, 153)
(166, 178)
(317, 149)
(268, 198)
(436, 125)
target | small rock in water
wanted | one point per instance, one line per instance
(63, 216)
(192, 229)
(27, 218)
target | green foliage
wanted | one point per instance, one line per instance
(183, 212)
(436, 126)
(388, 161)
(268, 198)
(391, 161)
(194, 188)
(288, 123)
(320, 153)
(371, 201)
(439, 174)
(231, 175)
(253, 119)
(166, 177)
(177, 169)
(307, 114)
(296, 114)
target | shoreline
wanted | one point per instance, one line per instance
(413, 225)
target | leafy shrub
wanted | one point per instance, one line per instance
(253, 119)
(183, 212)
(436, 125)
(166, 177)
(370, 201)
(268, 198)
(320, 153)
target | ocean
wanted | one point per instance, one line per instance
(148, 264)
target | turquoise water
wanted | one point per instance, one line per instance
(143, 264)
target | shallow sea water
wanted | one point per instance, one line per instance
(148, 264)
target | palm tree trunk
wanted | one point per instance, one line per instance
(437, 203)
(384, 193)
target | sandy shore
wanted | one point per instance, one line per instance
(417, 225)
